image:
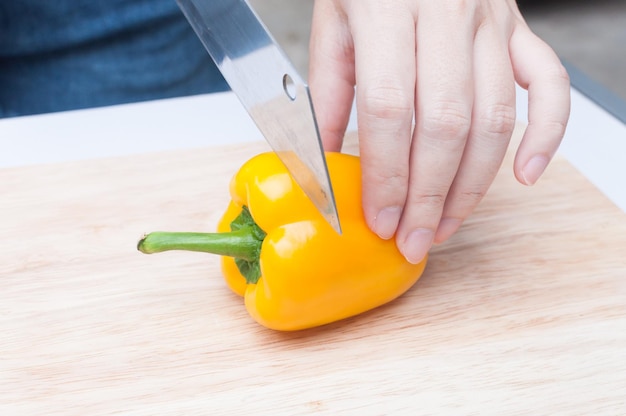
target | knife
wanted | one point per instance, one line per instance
(269, 87)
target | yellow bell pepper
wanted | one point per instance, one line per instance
(293, 270)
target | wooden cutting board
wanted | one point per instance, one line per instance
(522, 312)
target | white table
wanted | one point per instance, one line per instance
(595, 142)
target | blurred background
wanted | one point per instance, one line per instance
(590, 35)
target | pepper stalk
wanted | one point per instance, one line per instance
(243, 242)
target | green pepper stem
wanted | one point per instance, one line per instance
(241, 244)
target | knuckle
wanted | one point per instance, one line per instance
(471, 197)
(554, 128)
(392, 177)
(497, 119)
(447, 121)
(460, 7)
(461, 203)
(559, 74)
(430, 199)
(387, 102)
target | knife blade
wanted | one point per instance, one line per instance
(271, 90)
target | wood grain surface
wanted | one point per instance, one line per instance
(523, 312)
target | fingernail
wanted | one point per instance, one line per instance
(386, 222)
(534, 168)
(447, 227)
(417, 245)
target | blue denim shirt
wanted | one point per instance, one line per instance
(70, 54)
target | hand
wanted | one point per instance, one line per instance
(435, 96)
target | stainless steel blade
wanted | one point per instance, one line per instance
(270, 89)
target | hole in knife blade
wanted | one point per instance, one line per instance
(289, 86)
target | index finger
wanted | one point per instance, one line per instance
(384, 42)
